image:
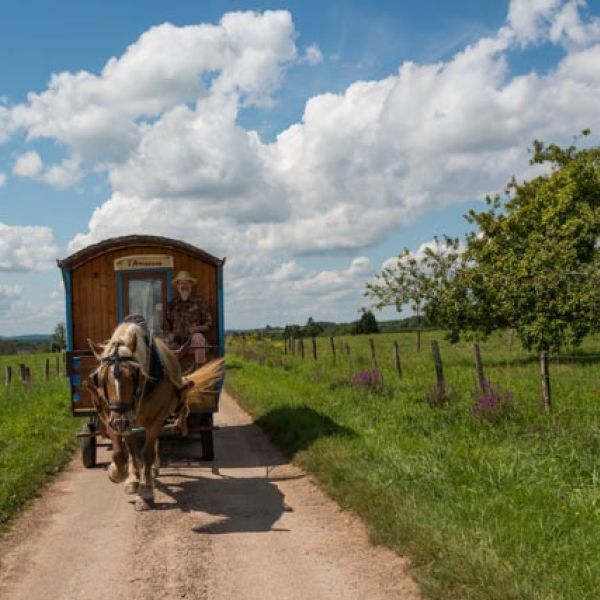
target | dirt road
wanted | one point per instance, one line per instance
(250, 526)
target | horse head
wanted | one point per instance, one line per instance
(119, 381)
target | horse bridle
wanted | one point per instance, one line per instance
(115, 360)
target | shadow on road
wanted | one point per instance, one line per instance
(245, 504)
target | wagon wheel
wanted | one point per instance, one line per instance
(88, 445)
(206, 437)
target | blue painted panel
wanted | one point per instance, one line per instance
(76, 397)
(66, 274)
(75, 362)
(75, 380)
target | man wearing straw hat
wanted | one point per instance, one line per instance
(187, 319)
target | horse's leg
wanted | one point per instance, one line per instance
(133, 479)
(117, 470)
(146, 490)
(156, 463)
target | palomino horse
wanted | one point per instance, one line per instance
(128, 394)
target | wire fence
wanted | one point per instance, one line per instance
(28, 369)
(485, 372)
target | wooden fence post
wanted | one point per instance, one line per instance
(332, 345)
(23, 373)
(302, 348)
(349, 353)
(397, 365)
(7, 374)
(439, 370)
(479, 367)
(545, 372)
(47, 369)
(314, 348)
(374, 364)
(57, 365)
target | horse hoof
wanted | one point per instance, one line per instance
(142, 504)
(115, 475)
(132, 487)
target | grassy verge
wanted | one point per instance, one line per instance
(36, 438)
(501, 508)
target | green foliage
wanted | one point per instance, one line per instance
(533, 262)
(366, 324)
(36, 436)
(59, 338)
(484, 508)
(406, 282)
(312, 329)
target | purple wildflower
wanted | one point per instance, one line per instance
(369, 379)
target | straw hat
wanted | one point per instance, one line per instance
(184, 276)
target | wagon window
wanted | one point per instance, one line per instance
(145, 294)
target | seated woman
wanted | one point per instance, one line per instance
(187, 320)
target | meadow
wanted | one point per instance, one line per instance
(495, 500)
(37, 432)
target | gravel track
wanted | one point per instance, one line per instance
(248, 526)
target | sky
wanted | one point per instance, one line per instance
(308, 142)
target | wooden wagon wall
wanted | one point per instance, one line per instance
(94, 299)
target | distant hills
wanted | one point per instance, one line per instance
(32, 337)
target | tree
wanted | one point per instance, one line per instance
(292, 331)
(59, 338)
(366, 324)
(533, 263)
(538, 250)
(458, 298)
(406, 282)
(311, 329)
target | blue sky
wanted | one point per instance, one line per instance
(325, 137)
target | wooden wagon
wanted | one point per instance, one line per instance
(107, 281)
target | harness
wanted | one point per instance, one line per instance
(114, 361)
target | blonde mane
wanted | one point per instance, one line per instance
(125, 337)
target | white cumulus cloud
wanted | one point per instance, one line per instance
(26, 248)
(28, 165)
(162, 120)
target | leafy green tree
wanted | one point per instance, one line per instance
(405, 283)
(292, 331)
(458, 298)
(366, 324)
(311, 329)
(536, 252)
(59, 338)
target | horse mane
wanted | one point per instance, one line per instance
(124, 337)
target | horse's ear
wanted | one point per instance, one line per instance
(96, 349)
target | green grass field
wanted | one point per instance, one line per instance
(502, 508)
(36, 433)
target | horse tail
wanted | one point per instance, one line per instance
(205, 378)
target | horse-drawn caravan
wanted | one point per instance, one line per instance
(132, 279)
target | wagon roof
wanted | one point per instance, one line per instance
(129, 241)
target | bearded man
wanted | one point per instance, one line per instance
(187, 319)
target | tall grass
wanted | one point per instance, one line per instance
(36, 436)
(485, 508)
